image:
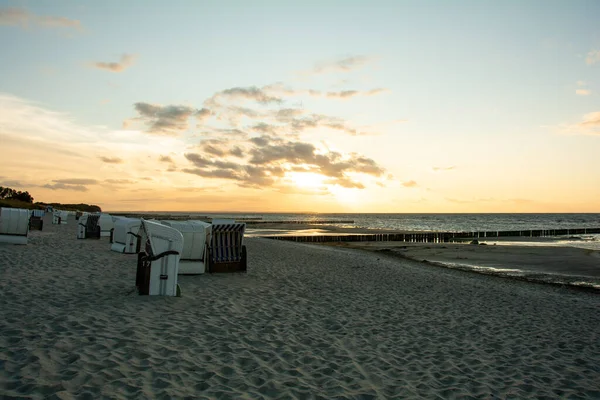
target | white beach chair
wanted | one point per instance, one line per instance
(125, 235)
(14, 225)
(195, 242)
(226, 250)
(106, 224)
(158, 260)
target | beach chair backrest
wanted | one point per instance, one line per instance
(227, 241)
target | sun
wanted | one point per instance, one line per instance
(306, 179)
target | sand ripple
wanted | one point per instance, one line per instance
(304, 322)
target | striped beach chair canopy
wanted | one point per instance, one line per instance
(227, 241)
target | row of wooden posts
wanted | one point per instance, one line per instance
(432, 237)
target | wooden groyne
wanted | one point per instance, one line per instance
(432, 237)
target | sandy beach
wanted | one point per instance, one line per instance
(306, 321)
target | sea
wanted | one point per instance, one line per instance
(427, 222)
(437, 223)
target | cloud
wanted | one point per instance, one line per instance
(62, 186)
(583, 92)
(75, 184)
(581, 83)
(127, 60)
(592, 57)
(589, 126)
(166, 159)
(165, 120)
(111, 160)
(591, 120)
(270, 158)
(119, 181)
(253, 93)
(76, 181)
(450, 168)
(346, 64)
(23, 18)
(409, 184)
(344, 94)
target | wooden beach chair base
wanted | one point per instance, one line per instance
(225, 267)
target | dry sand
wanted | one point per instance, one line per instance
(306, 321)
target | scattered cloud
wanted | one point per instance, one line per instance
(270, 158)
(111, 160)
(592, 57)
(581, 83)
(583, 92)
(165, 120)
(253, 93)
(409, 184)
(166, 159)
(126, 61)
(22, 18)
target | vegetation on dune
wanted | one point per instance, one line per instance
(11, 198)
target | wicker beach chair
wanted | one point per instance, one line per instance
(226, 250)
(88, 227)
(35, 223)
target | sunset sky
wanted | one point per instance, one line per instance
(307, 106)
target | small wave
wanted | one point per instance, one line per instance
(581, 282)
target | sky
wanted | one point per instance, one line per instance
(303, 106)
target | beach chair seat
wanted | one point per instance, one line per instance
(195, 238)
(125, 236)
(226, 249)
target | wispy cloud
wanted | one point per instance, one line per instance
(450, 168)
(592, 57)
(583, 92)
(111, 160)
(591, 120)
(166, 159)
(345, 64)
(590, 125)
(21, 17)
(410, 184)
(126, 61)
(75, 184)
(346, 94)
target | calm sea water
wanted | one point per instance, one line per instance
(438, 222)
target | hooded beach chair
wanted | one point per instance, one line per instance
(226, 250)
(158, 260)
(195, 243)
(125, 235)
(14, 225)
